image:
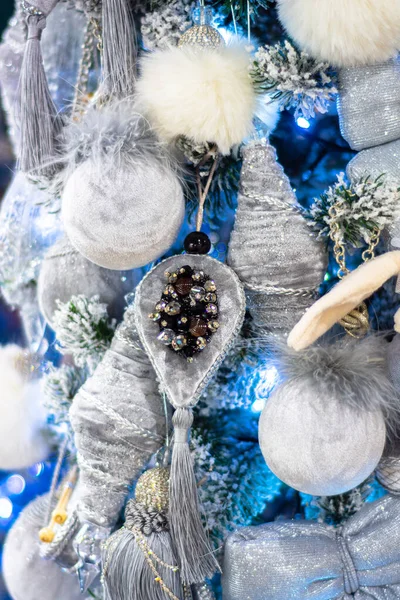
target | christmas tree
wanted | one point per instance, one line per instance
(198, 253)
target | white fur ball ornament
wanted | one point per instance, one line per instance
(202, 93)
(28, 576)
(23, 419)
(344, 32)
(323, 430)
(122, 204)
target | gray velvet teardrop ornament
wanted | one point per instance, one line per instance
(182, 381)
(41, 125)
(272, 249)
(219, 292)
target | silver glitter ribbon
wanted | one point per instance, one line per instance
(369, 114)
(119, 423)
(301, 560)
(272, 249)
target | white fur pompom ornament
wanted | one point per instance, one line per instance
(323, 430)
(344, 32)
(123, 204)
(204, 94)
(22, 423)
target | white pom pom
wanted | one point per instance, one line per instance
(22, 440)
(344, 32)
(205, 95)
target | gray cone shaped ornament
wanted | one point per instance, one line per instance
(278, 260)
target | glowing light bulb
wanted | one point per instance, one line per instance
(6, 508)
(15, 484)
(303, 123)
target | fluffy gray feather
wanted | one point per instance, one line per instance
(113, 136)
(355, 371)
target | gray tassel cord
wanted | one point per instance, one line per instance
(138, 560)
(119, 423)
(194, 552)
(119, 49)
(41, 126)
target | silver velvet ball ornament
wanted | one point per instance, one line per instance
(323, 430)
(123, 203)
(65, 272)
(27, 575)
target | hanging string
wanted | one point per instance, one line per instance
(248, 23)
(203, 192)
(234, 18)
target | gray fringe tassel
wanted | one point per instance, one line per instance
(119, 49)
(126, 573)
(194, 552)
(41, 126)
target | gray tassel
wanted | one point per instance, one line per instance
(194, 552)
(41, 126)
(119, 49)
(138, 559)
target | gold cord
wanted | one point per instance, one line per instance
(59, 514)
(356, 323)
(151, 559)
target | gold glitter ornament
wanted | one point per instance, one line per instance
(202, 34)
(152, 489)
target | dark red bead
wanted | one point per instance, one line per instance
(198, 327)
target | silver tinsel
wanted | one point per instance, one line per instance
(369, 104)
(369, 113)
(119, 422)
(272, 249)
(300, 560)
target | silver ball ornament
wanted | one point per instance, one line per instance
(124, 218)
(27, 575)
(317, 445)
(65, 272)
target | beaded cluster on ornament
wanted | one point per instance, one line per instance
(187, 313)
(31, 10)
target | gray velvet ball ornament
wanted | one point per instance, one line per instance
(122, 204)
(27, 575)
(323, 430)
(65, 272)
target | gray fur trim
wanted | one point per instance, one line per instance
(355, 371)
